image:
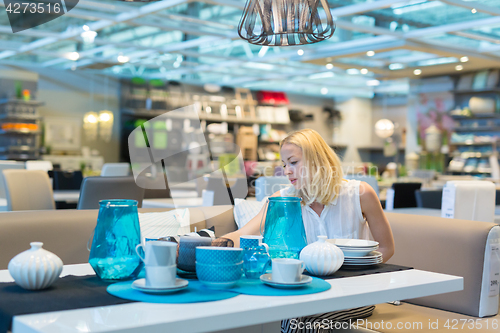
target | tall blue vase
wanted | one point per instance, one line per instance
(284, 231)
(116, 235)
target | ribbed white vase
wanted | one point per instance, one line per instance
(322, 258)
(35, 268)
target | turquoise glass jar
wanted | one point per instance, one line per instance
(116, 235)
(284, 231)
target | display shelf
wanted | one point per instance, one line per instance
(20, 116)
(472, 143)
(471, 153)
(476, 116)
(478, 91)
(477, 129)
(400, 148)
(469, 172)
(21, 131)
(20, 101)
(206, 117)
(18, 149)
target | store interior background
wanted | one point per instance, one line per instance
(69, 94)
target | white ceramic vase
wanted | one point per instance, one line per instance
(35, 268)
(322, 258)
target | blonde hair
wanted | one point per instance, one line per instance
(323, 169)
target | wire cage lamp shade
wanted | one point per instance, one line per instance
(285, 22)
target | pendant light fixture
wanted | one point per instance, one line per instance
(285, 22)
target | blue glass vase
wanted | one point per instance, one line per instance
(284, 231)
(116, 235)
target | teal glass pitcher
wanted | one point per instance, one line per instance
(116, 235)
(284, 231)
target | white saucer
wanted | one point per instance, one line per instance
(268, 279)
(140, 285)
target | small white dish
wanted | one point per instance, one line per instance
(140, 285)
(268, 279)
(355, 253)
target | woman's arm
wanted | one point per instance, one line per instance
(252, 227)
(379, 225)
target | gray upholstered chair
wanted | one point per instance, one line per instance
(115, 169)
(28, 190)
(95, 189)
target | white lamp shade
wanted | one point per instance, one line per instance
(384, 128)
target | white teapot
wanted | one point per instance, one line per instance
(322, 258)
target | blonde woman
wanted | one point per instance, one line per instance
(332, 206)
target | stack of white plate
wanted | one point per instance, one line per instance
(371, 258)
(358, 252)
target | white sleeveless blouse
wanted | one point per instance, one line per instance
(340, 219)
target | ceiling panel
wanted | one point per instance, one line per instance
(197, 42)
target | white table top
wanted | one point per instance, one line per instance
(240, 311)
(431, 212)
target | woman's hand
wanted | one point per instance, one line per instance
(379, 225)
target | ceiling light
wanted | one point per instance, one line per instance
(300, 52)
(352, 71)
(259, 65)
(395, 66)
(417, 71)
(329, 66)
(414, 6)
(176, 64)
(88, 36)
(384, 128)
(459, 67)
(372, 83)
(86, 27)
(123, 59)
(473, 10)
(437, 61)
(285, 23)
(464, 59)
(72, 56)
(321, 75)
(364, 71)
(263, 51)
(370, 53)
(324, 91)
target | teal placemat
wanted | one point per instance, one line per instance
(194, 293)
(257, 288)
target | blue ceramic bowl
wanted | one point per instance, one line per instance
(219, 276)
(218, 255)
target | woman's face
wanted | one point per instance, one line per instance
(291, 157)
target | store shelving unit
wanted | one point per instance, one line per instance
(20, 130)
(144, 102)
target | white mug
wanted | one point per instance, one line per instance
(287, 270)
(158, 253)
(160, 276)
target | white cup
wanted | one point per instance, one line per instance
(287, 270)
(160, 276)
(158, 253)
